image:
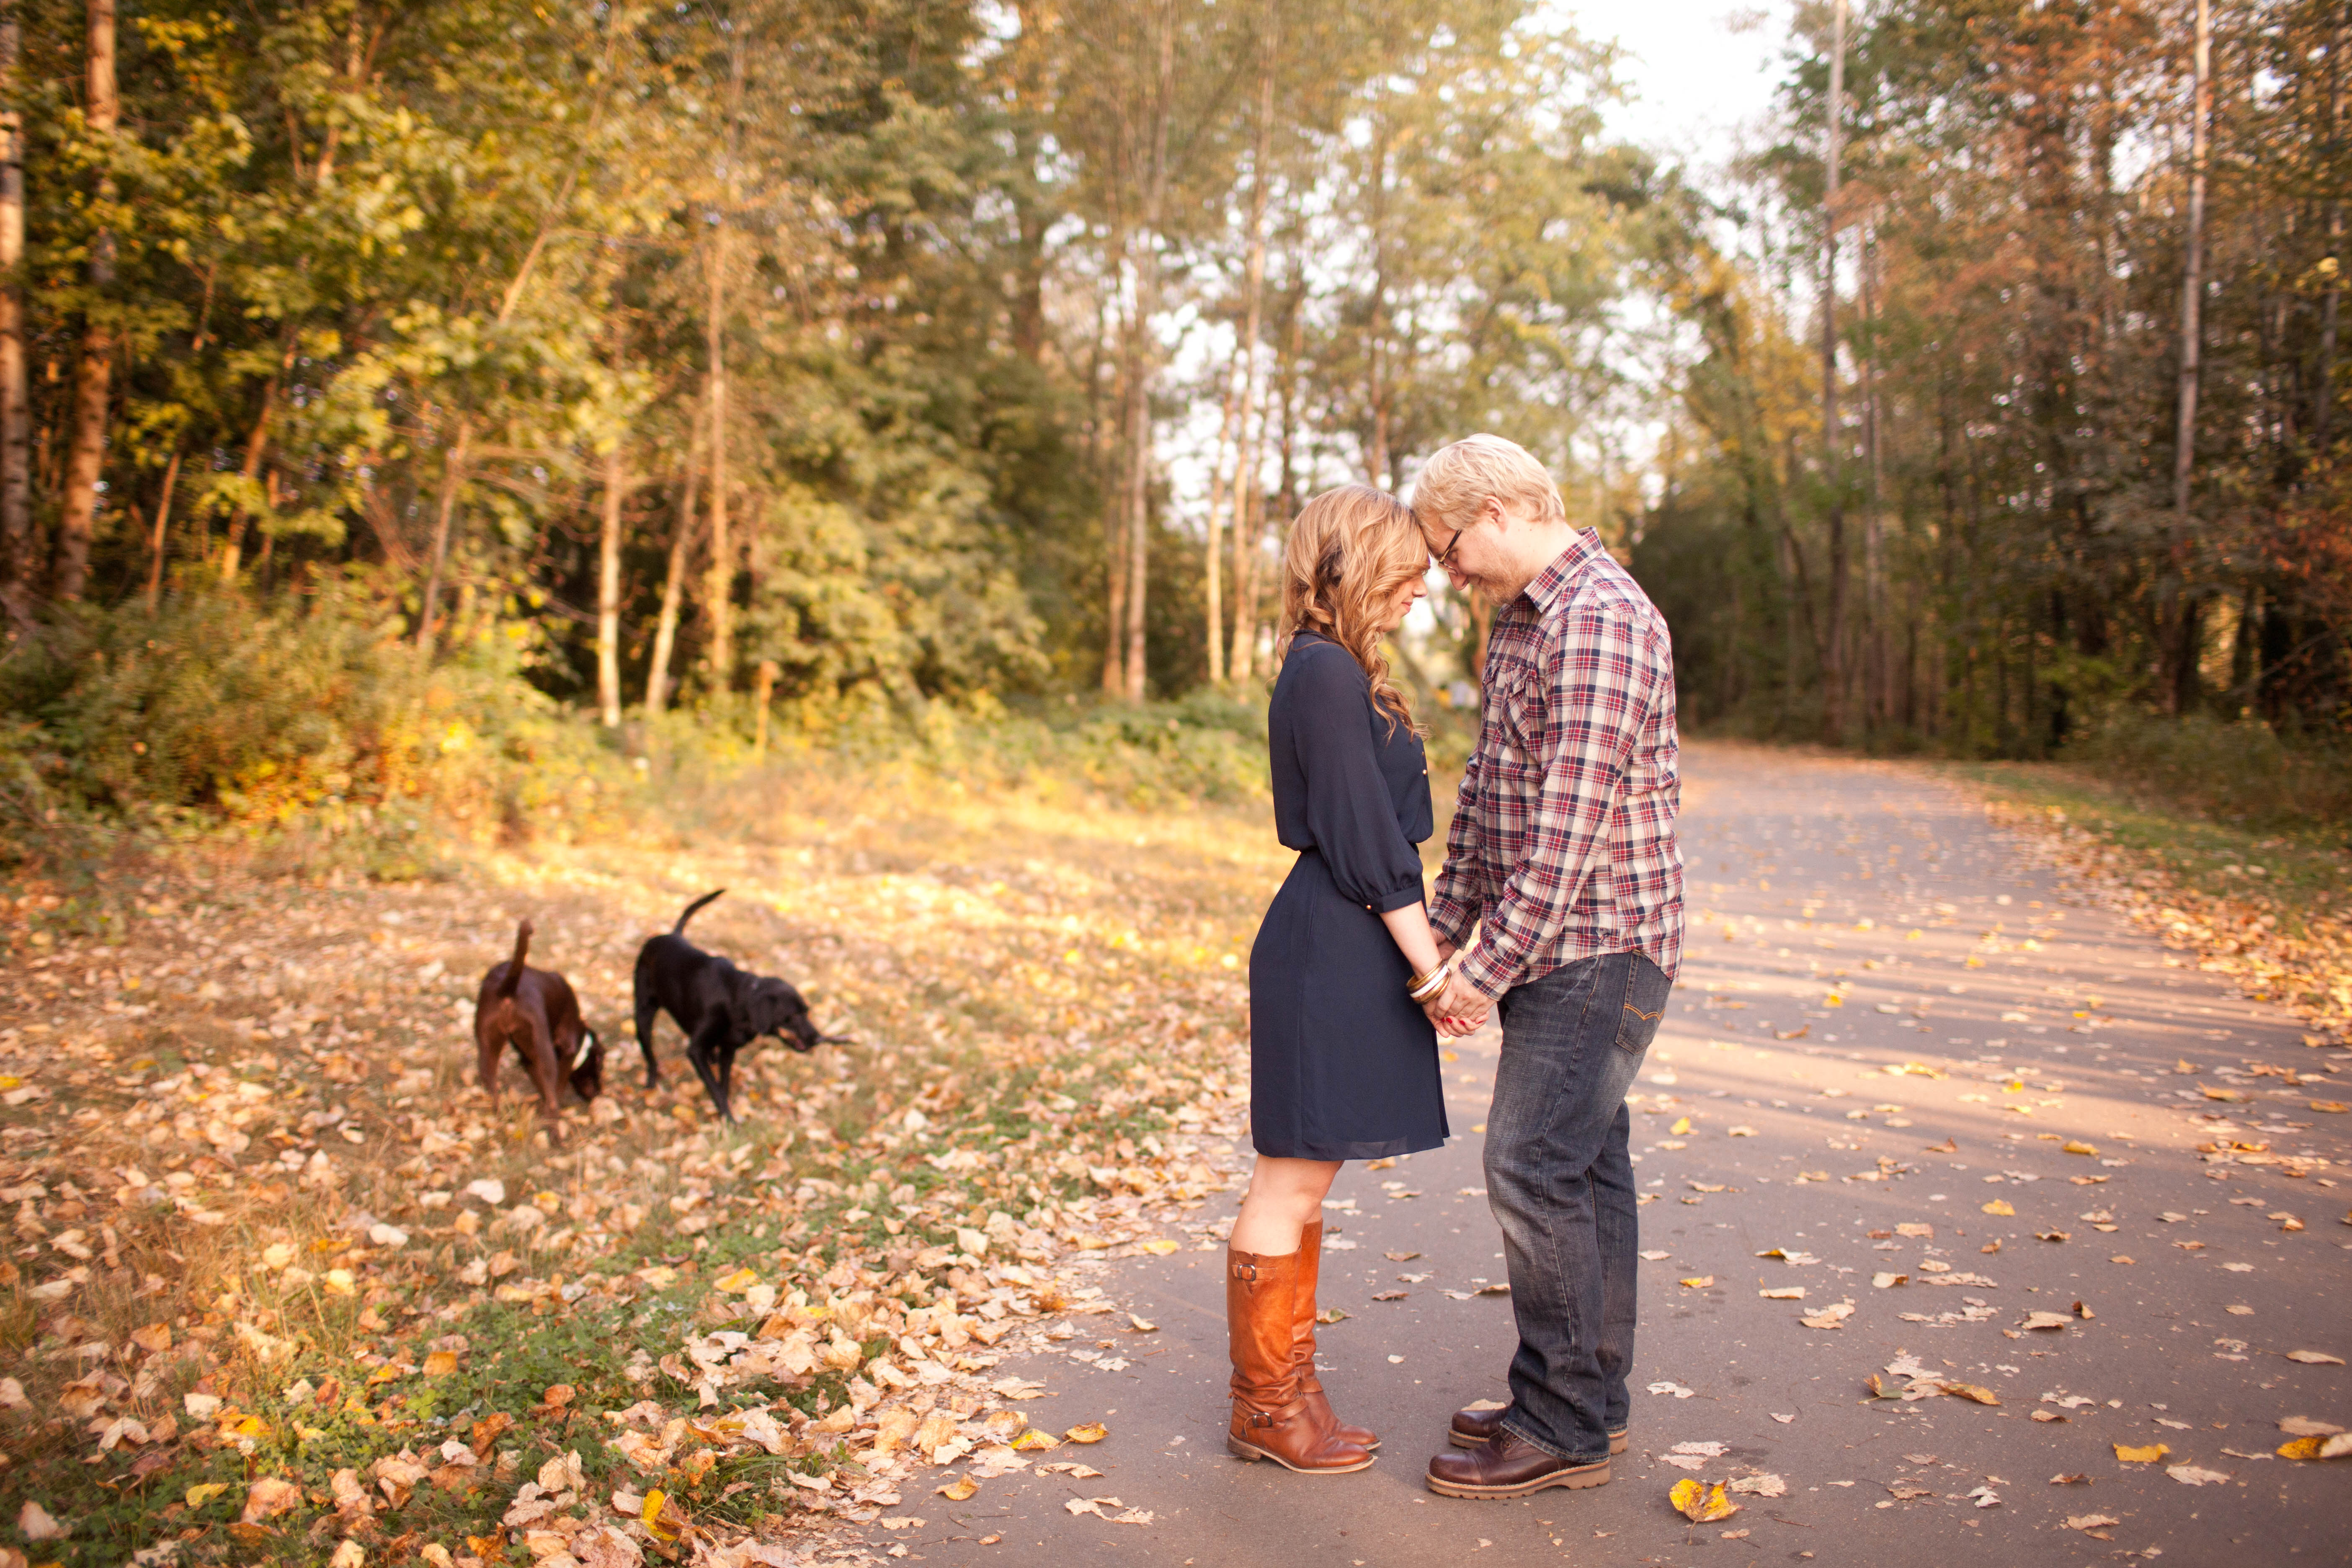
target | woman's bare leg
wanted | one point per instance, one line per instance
(1284, 1197)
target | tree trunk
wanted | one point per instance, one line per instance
(1376, 460)
(254, 448)
(608, 590)
(719, 589)
(93, 382)
(2323, 401)
(1212, 594)
(1834, 692)
(1147, 306)
(15, 403)
(2181, 689)
(162, 522)
(681, 541)
(453, 479)
(1247, 489)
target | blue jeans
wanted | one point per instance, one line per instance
(1560, 1183)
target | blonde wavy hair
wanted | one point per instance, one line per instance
(1350, 549)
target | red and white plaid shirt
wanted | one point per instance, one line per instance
(1563, 843)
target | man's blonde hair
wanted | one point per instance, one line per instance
(1456, 484)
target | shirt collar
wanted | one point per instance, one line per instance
(1553, 580)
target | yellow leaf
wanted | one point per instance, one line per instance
(1982, 1395)
(1681, 1126)
(2075, 1146)
(204, 1492)
(958, 1491)
(661, 1517)
(2147, 1455)
(440, 1363)
(2331, 1446)
(1784, 1293)
(1699, 1281)
(2336, 1107)
(1092, 1432)
(385, 1372)
(1035, 1442)
(735, 1284)
(1833, 1000)
(1999, 1206)
(1159, 1246)
(1701, 1504)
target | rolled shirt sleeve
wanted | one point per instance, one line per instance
(1598, 686)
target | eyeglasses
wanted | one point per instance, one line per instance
(1445, 556)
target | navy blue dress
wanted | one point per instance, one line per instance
(1342, 1065)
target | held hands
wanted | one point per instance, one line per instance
(1459, 1009)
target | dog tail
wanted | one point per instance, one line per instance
(679, 929)
(513, 976)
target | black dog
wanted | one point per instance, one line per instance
(720, 1008)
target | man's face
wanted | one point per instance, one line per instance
(1472, 557)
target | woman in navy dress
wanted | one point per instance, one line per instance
(1343, 1063)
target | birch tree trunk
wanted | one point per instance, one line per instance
(608, 590)
(2323, 409)
(1147, 306)
(719, 589)
(1834, 692)
(681, 541)
(1246, 485)
(93, 380)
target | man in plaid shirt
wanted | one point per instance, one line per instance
(1562, 852)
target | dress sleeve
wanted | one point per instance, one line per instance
(1348, 811)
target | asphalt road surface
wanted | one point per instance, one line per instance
(1889, 1047)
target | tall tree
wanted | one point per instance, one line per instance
(93, 376)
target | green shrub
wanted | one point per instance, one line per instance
(2241, 771)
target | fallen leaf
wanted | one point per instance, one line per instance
(960, 1489)
(1140, 1326)
(2333, 1107)
(1701, 1504)
(2304, 1426)
(1161, 1246)
(2335, 1446)
(2190, 1476)
(1884, 1282)
(37, 1524)
(1091, 1432)
(1976, 1392)
(1784, 1293)
(1032, 1441)
(1830, 1317)
(1409, 1257)
(1697, 1281)
(1761, 1486)
(2075, 1146)
(1682, 1125)
(2136, 1455)
(2091, 1522)
(204, 1492)
(2048, 1415)
(440, 1363)
(1998, 1207)
(2045, 1320)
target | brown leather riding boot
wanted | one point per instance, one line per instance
(1302, 1340)
(1270, 1420)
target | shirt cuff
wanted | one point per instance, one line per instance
(1484, 971)
(1402, 898)
(1449, 921)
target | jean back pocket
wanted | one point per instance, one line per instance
(1644, 1003)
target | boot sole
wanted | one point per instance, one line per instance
(1573, 1480)
(1618, 1442)
(1251, 1452)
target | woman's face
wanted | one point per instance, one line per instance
(1402, 602)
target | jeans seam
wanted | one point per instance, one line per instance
(1520, 1433)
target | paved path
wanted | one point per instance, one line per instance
(1846, 919)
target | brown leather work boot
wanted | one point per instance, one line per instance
(1507, 1466)
(1270, 1420)
(1474, 1425)
(1302, 1339)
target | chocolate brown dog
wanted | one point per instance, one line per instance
(534, 1011)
